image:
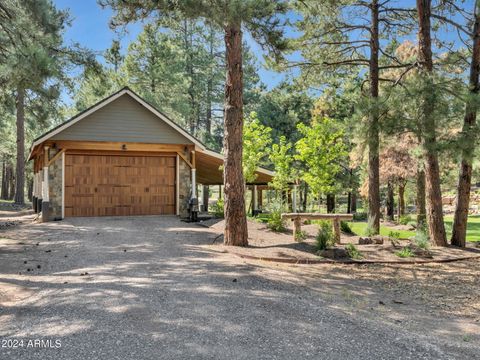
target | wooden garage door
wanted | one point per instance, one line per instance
(111, 185)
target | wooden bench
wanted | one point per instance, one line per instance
(335, 218)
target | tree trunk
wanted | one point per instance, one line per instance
(373, 128)
(330, 203)
(390, 201)
(401, 199)
(206, 196)
(353, 206)
(305, 197)
(11, 182)
(436, 227)
(459, 229)
(30, 189)
(208, 117)
(421, 206)
(4, 191)
(349, 202)
(236, 232)
(20, 171)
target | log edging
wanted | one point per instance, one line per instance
(305, 261)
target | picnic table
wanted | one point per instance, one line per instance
(335, 218)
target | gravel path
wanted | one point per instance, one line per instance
(148, 288)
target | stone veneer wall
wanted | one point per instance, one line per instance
(55, 188)
(184, 187)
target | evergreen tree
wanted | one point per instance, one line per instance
(260, 17)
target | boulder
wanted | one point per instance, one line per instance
(374, 240)
(334, 253)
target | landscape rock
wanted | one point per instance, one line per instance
(334, 253)
(374, 240)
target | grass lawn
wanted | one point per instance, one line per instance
(473, 228)
(360, 228)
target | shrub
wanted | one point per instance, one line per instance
(353, 252)
(404, 219)
(324, 237)
(369, 231)
(405, 252)
(345, 227)
(360, 216)
(275, 221)
(421, 240)
(300, 235)
(218, 208)
(394, 235)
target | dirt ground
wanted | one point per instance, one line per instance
(450, 289)
(150, 287)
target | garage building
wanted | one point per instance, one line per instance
(121, 157)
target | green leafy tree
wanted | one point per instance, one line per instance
(256, 143)
(283, 160)
(321, 148)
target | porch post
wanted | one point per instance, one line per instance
(194, 177)
(45, 190)
(34, 194)
(40, 190)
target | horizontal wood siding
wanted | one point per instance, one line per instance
(123, 120)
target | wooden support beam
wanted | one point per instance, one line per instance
(114, 146)
(193, 160)
(185, 159)
(57, 155)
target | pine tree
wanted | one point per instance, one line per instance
(260, 17)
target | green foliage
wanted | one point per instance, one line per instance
(275, 221)
(360, 216)
(345, 228)
(394, 235)
(256, 141)
(300, 235)
(321, 149)
(353, 252)
(405, 219)
(422, 240)
(282, 159)
(325, 237)
(370, 231)
(405, 252)
(218, 208)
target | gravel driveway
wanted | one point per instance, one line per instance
(149, 288)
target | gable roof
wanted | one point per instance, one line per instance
(124, 91)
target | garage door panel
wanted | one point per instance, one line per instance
(108, 185)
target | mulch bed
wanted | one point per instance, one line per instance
(267, 245)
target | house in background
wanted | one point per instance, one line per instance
(121, 157)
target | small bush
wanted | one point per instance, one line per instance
(369, 231)
(404, 219)
(218, 208)
(394, 235)
(275, 222)
(405, 252)
(360, 216)
(324, 237)
(353, 252)
(300, 235)
(345, 227)
(421, 240)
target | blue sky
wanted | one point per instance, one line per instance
(90, 29)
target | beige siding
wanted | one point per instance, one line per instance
(124, 119)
